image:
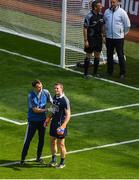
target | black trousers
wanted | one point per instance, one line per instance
(31, 129)
(117, 44)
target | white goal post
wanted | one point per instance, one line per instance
(63, 33)
(55, 22)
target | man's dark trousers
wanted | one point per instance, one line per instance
(117, 44)
(31, 129)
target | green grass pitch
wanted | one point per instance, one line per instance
(16, 75)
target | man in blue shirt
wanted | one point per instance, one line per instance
(37, 100)
(58, 128)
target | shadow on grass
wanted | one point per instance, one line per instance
(15, 165)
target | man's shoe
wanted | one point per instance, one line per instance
(22, 162)
(97, 75)
(52, 164)
(40, 161)
(122, 76)
(85, 76)
(60, 166)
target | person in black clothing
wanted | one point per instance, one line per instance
(93, 36)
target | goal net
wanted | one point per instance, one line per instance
(38, 20)
(55, 22)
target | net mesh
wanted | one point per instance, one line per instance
(74, 33)
(41, 20)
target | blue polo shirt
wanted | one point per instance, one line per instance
(39, 101)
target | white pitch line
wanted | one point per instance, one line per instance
(117, 83)
(77, 114)
(107, 80)
(105, 110)
(44, 62)
(78, 151)
(28, 57)
(12, 121)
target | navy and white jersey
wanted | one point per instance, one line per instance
(61, 104)
(94, 23)
(39, 101)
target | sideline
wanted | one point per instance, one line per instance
(13, 121)
(107, 80)
(105, 110)
(28, 57)
(77, 151)
(56, 65)
(77, 114)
